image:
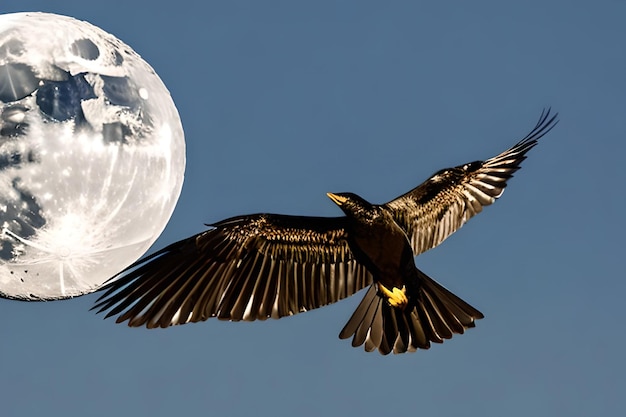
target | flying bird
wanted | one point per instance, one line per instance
(261, 266)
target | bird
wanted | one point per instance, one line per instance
(260, 266)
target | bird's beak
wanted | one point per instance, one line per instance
(337, 199)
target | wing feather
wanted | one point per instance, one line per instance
(441, 205)
(243, 268)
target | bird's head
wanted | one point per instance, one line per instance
(350, 203)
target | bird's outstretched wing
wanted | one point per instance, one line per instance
(441, 205)
(243, 268)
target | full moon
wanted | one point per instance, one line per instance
(92, 156)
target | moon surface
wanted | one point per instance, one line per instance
(92, 156)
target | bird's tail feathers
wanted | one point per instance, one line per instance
(433, 315)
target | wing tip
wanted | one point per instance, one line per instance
(544, 125)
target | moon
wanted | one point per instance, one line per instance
(92, 156)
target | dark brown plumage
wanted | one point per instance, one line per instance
(269, 265)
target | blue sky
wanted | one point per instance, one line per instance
(282, 101)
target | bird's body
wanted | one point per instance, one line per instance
(269, 265)
(376, 240)
(405, 309)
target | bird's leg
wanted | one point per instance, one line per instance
(396, 297)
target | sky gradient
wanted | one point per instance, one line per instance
(283, 101)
